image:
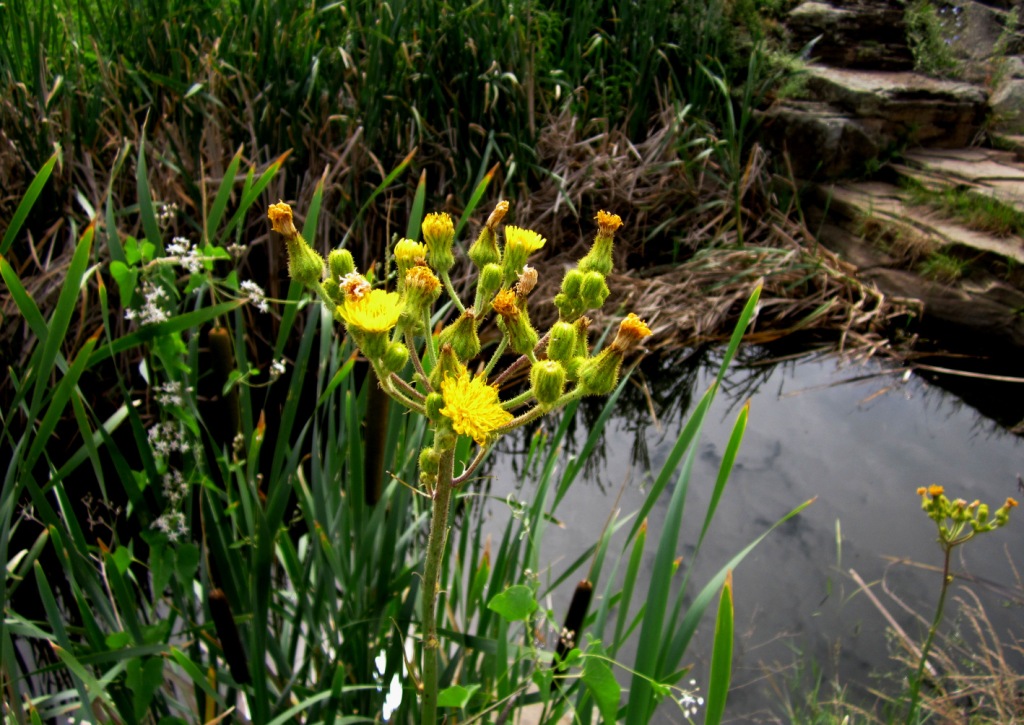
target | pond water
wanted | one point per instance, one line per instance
(859, 438)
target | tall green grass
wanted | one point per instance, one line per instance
(360, 84)
(282, 590)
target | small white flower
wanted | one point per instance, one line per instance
(277, 369)
(256, 295)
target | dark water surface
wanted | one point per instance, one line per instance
(862, 448)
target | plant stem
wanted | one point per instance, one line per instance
(451, 292)
(915, 685)
(431, 573)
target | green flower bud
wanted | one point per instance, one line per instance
(568, 301)
(515, 322)
(433, 405)
(334, 291)
(594, 290)
(305, 265)
(561, 341)
(341, 263)
(395, 357)
(430, 461)
(599, 258)
(485, 249)
(439, 236)
(462, 336)
(599, 375)
(487, 286)
(547, 381)
(447, 365)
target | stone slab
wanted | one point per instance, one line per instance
(880, 199)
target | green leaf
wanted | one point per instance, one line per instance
(514, 604)
(187, 562)
(456, 696)
(122, 558)
(598, 678)
(143, 681)
(721, 657)
(27, 202)
(127, 278)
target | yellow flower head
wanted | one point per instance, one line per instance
(408, 252)
(473, 406)
(280, 216)
(608, 223)
(374, 312)
(631, 331)
(505, 303)
(438, 226)
(523, 241)
(1011, 503)
(421, 279)
(935, 490)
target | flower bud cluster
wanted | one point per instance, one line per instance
(958, 520)
(394, 328)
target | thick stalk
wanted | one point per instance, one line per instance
(915, 685)
(431, 573)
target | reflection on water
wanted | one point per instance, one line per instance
(861, 448)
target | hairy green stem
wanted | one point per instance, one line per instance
(450, 288)
(431, 573)
(417, 363)
(915, 685)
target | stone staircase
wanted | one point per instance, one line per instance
(873, 138)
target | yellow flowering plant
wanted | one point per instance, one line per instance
(438, 376)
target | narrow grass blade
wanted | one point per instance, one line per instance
(220, 202)
(27, 202)
(721, 657)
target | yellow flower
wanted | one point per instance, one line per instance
(608, 223)
(374, 311)
(935, 490)
(524, 241)
(409, 252)
(473, 406)
(280, 216)
(631, 331)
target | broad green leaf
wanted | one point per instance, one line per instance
(598, 678)
(456, 696)
(514, 604)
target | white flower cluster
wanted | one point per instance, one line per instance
(690, 700)
(256, 295)
(187, 254)
(171, 393)
(277, 369)
(165, 213)
(151, 312)
(165, 438)
(173, 524)
(175, 487)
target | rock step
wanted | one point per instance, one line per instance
(911, 107)
(985, 172)
(891, 243)
(933, 231)
(852, 34)
(850, 117)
